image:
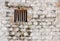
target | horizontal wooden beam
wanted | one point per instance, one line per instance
(13, 6)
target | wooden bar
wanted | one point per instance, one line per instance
(15, 15)
(19, 16)
(25, 15)
(22, 15)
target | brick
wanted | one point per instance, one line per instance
(13, 25)
(35, 23)
(51, 15)
(29, 23)
(35, 16)
(21, 26)
(25, 34)
(9, 37)
(33, 20)
(7, 25)
(10, 29)
(48, 23)
(16, 29)
(58, 4)
(4, 22)
(43, 23)
(26, 26)
(42, 16)
(14, 37)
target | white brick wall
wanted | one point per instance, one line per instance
(44, 25)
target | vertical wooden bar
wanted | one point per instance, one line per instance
(26, 16)
(14, 15)
(23, 15)
(19, 15)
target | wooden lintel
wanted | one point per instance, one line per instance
(12, 6)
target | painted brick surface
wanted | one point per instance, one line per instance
(43, 25)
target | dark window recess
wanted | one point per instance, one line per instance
(20, 15)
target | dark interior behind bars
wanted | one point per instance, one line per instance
(20, 15)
